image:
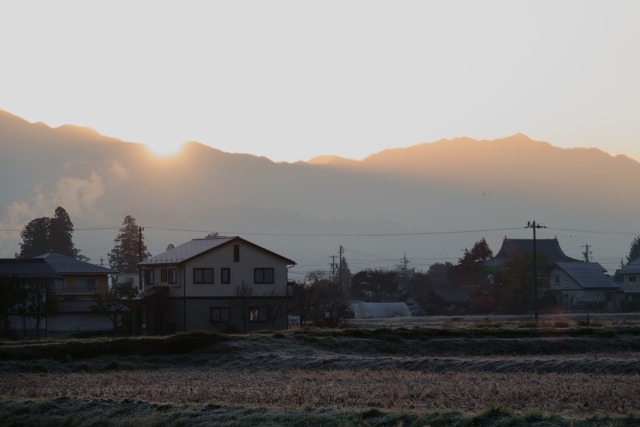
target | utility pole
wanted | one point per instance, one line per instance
(340, 275)
(333, 268)
(140, 257)
(535, 226)
(586, 253)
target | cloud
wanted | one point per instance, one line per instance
(118, 173)
(78, 196)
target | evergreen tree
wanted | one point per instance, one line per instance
(60, 234)
(634, 251)
(35, 238)
(129, 248)
(470, 268)
(44, 235)
(344, 275)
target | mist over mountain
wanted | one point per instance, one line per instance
(427, 201)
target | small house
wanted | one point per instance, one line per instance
(584, 286)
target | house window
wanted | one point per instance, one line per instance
(236, 253)
(556, 280)
(149, 277)
(219, 314)
(173, 276)
(225, 275)
(566, 283)
(163, 275)
(203, 275)
(632, 278)
(263, 276)
(258, 314)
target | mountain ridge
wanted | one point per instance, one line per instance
(459, 184)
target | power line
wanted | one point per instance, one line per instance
(415, 233)
(623, 233)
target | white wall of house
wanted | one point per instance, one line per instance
(575, 295)
(239, 272)
(631, 282)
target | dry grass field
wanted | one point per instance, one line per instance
(567, 376)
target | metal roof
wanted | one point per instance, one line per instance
(67, 265)
(514, 247)
(30, 268)
(197, 247)
(187, 251)
(632, 268)
(588, 274)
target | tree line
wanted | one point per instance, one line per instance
(36, 299)
(320, 298)
(508, 290)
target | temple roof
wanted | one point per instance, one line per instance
(515, 247)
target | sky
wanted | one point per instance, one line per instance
(291, 80)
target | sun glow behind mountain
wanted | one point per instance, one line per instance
(164, 148)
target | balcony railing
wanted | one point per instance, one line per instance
(76, 290)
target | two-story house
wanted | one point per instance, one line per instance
(584, 285)
(35, 280)
(81, 281)
(226, 284)
(630, 275)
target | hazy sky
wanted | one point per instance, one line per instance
(294, 79)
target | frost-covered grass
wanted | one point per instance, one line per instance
(570, 395)
(469, 372)
(104, 412)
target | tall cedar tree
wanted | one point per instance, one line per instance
(35, 238)
(125, 255)
(60, 234)
(634, 251)
(44, 235)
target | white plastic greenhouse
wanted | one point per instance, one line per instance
(377, 310)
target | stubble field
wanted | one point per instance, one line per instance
(478, 373)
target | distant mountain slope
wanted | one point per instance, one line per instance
(459, 184)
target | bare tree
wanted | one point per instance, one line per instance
(244, 294)
(41, 301)
(115, 303)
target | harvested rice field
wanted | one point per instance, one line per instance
(453, 374)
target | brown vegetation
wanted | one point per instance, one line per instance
(574, 395)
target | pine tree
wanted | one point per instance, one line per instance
(634, 251)
(129, 247)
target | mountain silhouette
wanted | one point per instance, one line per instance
(416, 200)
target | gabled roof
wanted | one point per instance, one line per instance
(67, 265)
(589, 275)
(197, 247)
(632, 268)
(29, 268)
(514, 247)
